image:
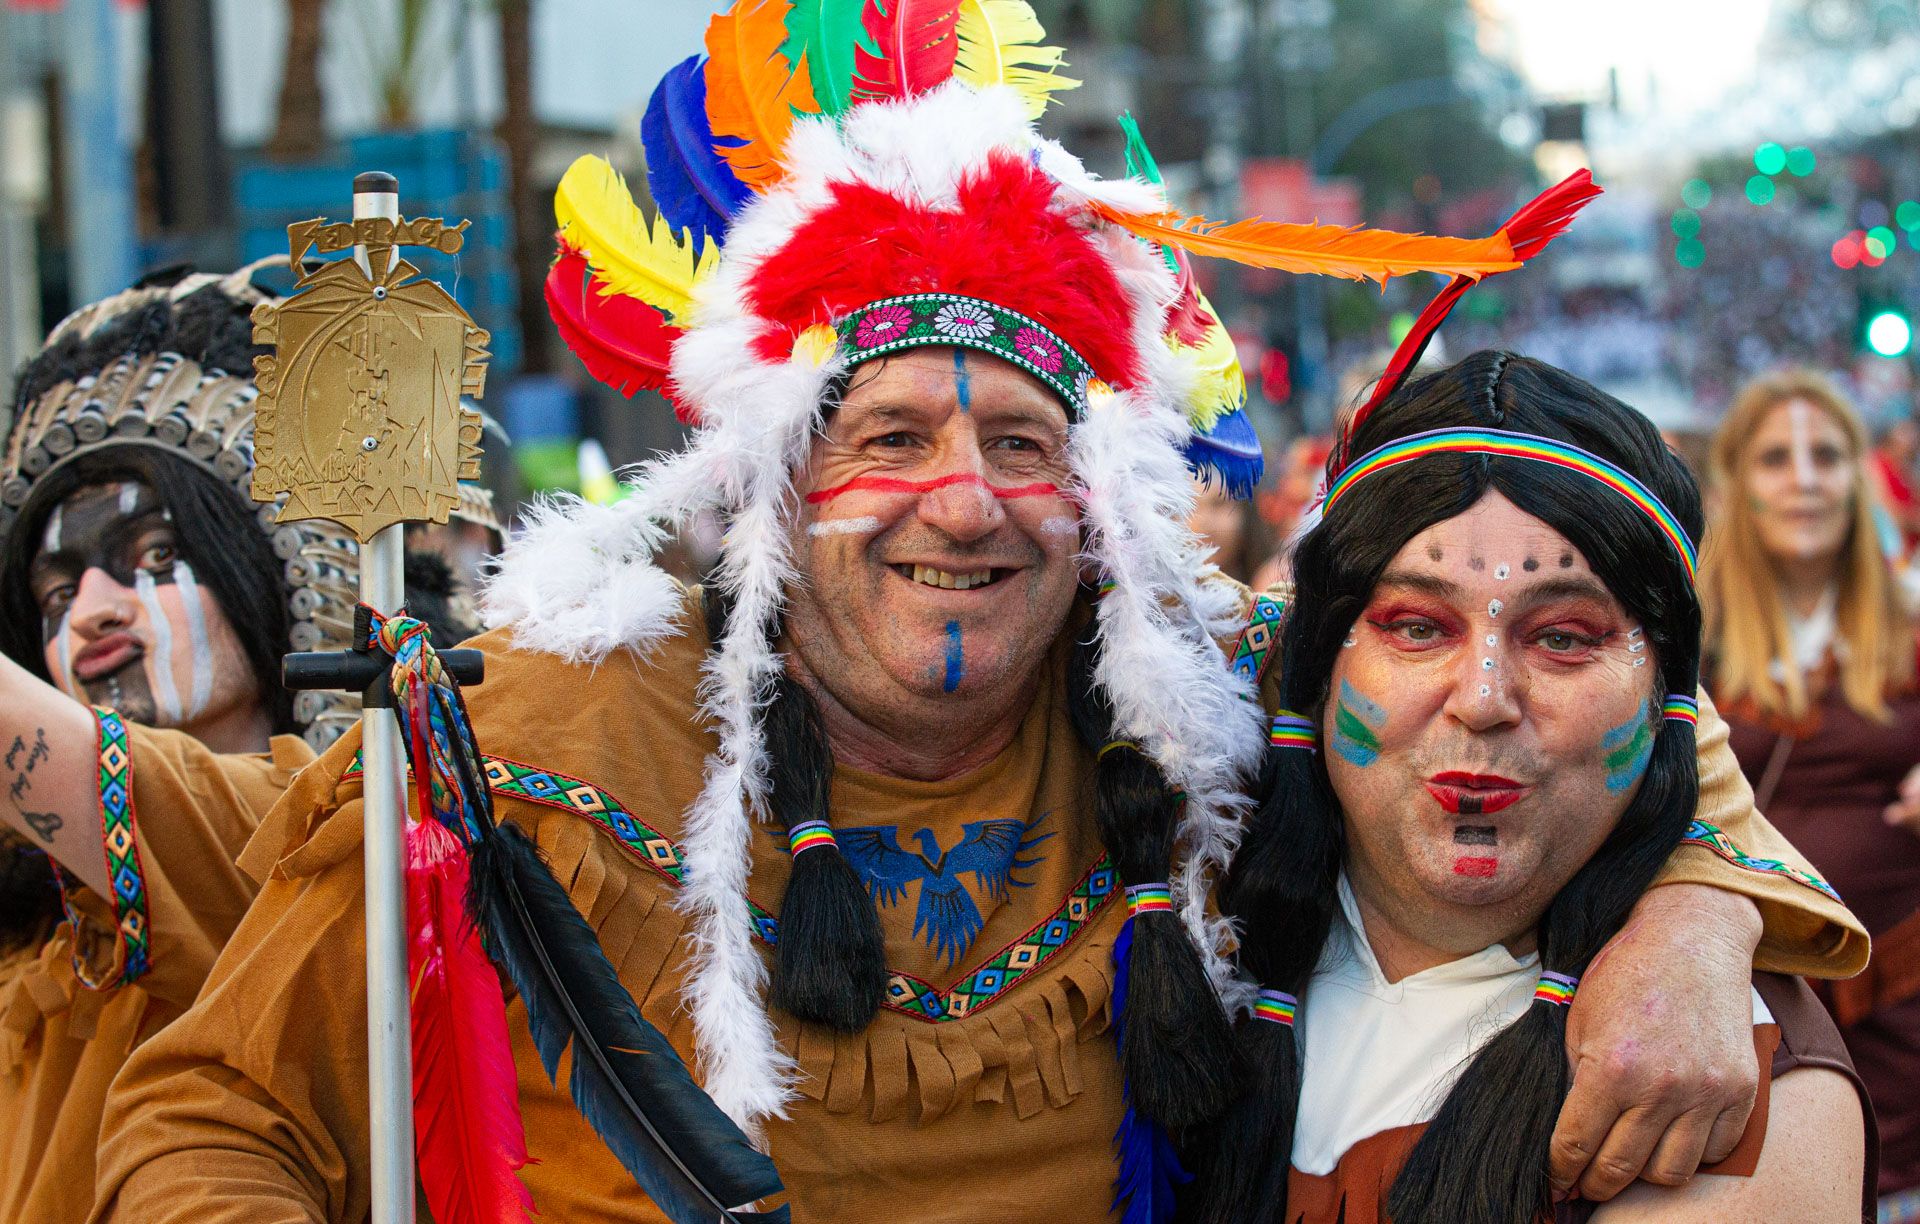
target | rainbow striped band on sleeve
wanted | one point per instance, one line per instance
(809, 835)
(1556, 988)
(1682, 708)
(1149, 899)
(1510, 445)
(1290, 730)
(1276, 1006)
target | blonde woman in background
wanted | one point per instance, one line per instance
(1812, 659)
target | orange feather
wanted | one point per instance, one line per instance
(1329, 250)
(752, 91)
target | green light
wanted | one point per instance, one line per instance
(1885, 237)
(1685, 223)
(1889, 334)
(1769, 158)
(1690, 253)
(1760, 189)
(1907, 214)
(1801, 161)
(1876, 246)
(1696, 193)
(1913, 239)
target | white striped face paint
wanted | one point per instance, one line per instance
(160, 660)
(200, 653)
(1800, 420)
(865, 525)
(1060, 525)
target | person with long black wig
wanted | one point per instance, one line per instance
(145, 604)
(1490, 678)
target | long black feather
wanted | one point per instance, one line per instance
(627, 1080)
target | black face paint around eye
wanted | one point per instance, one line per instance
(112, 528)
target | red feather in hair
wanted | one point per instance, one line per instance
(1538, 222)
(1003, 243)
(917, 45)
(468, 1136)
(622, 341)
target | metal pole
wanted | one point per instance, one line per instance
(389, 1044)
(98, 166)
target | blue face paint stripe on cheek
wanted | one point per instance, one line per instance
(962, 380)
(1629, 747)
(1356, 724)
(956, 658)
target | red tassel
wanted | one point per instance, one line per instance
(622, 341)
(468, 1137)
(1539, 221)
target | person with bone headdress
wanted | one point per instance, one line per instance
(885, 826)
(144, 607)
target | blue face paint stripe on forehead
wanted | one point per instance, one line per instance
(956, 658)
(962, 380)
(197, 639)
(160, 658)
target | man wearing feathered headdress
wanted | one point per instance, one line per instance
(903, 829)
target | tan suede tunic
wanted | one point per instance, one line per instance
(62, 1042)
(987, 1086)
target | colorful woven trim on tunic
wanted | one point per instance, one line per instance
(118, 833)
(1507, 444)
(1700, 833)
(1149, 899)
(1681, 708)
(905, 993)
(1556, 988)
(1290, 730)
(1257, 639)
(1275, 1006)
(916, 319)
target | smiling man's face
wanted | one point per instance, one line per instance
(936, 542)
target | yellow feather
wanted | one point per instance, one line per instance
(1000, 45)
(599, 219)
(1221, 386)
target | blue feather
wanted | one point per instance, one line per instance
(692, 185)
(1150, 1169)
(1230, 453)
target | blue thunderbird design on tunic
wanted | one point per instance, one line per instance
(990, 850)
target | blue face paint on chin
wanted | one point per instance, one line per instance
(956, 658)
(962, 380)
(1629, 747)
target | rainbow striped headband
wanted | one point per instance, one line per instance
(1556, 988)
(1510, 445)
(810, 835)
(1290, 730)
(1149, 899)
(1681, 708)
(1276, 1006)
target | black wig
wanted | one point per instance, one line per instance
(1483, 1158)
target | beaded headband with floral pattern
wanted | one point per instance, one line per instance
(951, 320)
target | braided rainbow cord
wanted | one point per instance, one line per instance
(434, 721)
(1556, 988)
(1681, 708)
(1276, 1007)
(810, 835)
(1510, 445)
(1149, 899)
(1290, 730)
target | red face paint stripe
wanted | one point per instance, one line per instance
(1475, 866)
(888, 484)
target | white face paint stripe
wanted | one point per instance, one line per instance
(129, 496)
(63, 646)
(51, 543)
(159, 660)
(190, 601)
(1800, 418)
(853, 526)
(1060, 524)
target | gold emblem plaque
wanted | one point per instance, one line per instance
(359, 418)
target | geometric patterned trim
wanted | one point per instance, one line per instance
(906, 994)
(1700, 833)
(1257, 639)
(951, 320)
(120, 836)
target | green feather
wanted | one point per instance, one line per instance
(826, 33)
(1140, 164)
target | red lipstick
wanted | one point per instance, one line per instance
(1468, 794)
